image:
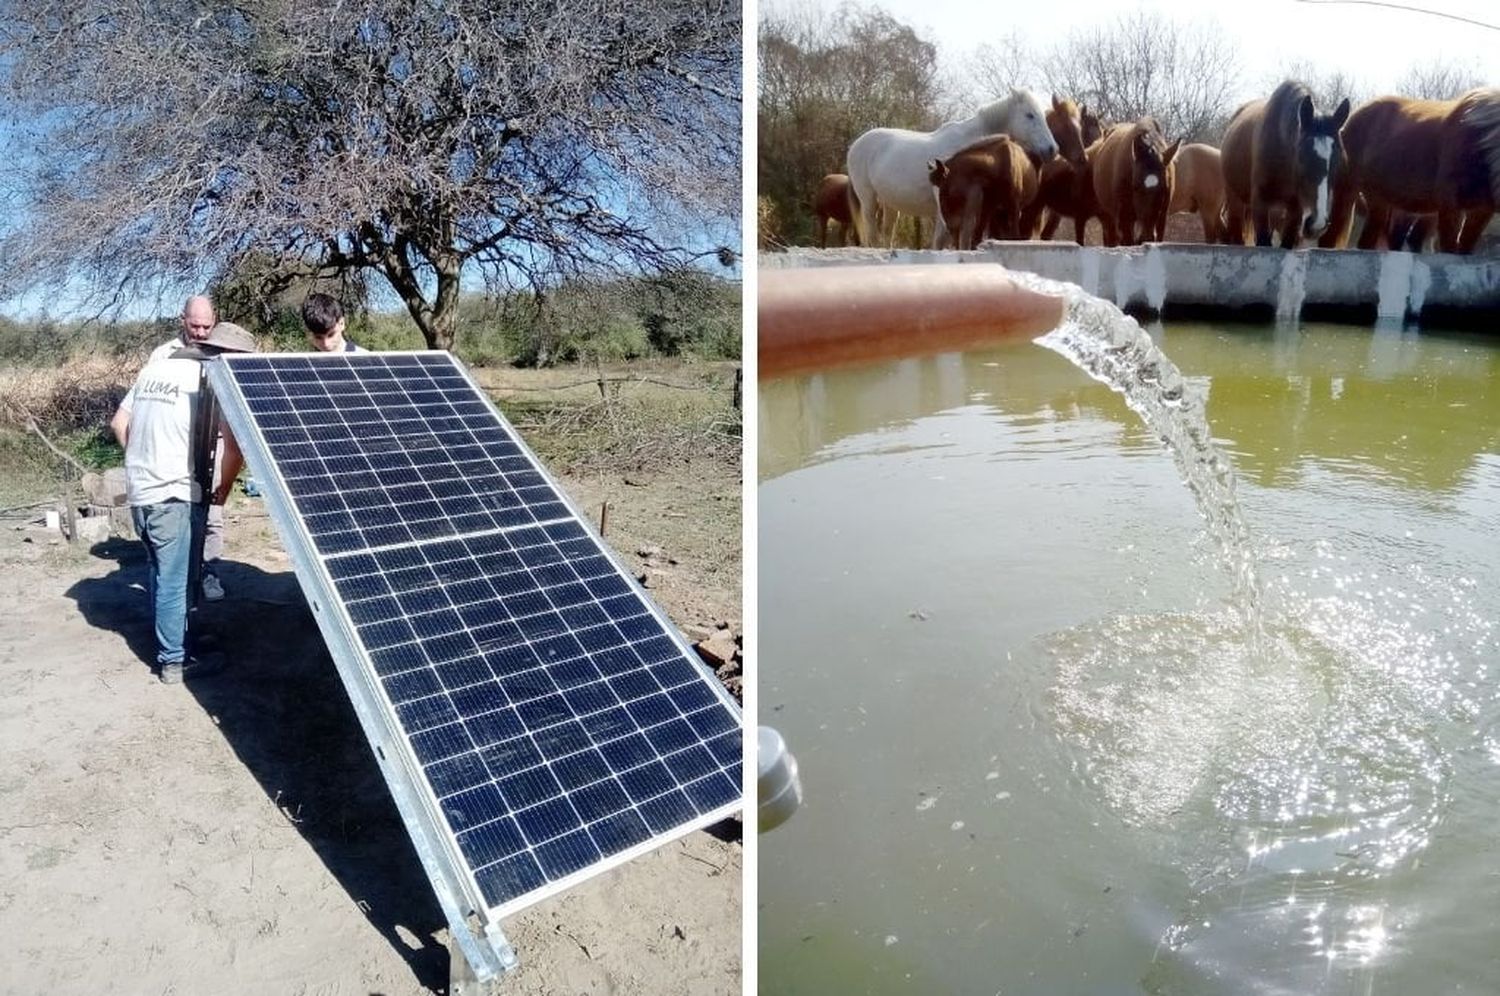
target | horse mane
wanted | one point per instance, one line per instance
(1480, 110)
(995, 113)
(1282, 105)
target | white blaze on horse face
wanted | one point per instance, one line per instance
(1323, 149)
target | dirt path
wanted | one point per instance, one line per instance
(235, 835)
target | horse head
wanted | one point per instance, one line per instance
(1320, 158)
(1090, 126)
(1066, 125)
(1150, 158)
(1020, 116)
(937, 171)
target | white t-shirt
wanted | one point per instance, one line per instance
(165, 350)
(158, 451)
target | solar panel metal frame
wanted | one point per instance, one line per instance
(473, 924)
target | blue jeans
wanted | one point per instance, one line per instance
(167, 530)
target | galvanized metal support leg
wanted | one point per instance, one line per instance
(461, 978)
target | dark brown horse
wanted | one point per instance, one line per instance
(1132, 185)
(1422, 157)
(832, 203)
(1281, 153)
(983, 189)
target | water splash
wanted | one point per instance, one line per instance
(1112, 348)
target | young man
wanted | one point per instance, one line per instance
(324, 318)
(154, 425)
(197, 319)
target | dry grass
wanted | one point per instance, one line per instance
(81, 393)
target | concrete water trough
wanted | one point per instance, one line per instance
(1183, 280)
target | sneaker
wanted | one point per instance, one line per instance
(175, 672)
(213, 588)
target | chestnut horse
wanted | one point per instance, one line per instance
(888, 166)
(983, 189)
(1065, 121)
(1280, 152)
(1132, 183)
(1198, 186)
(1422, 157)
(831, 203)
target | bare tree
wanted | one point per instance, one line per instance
(525, 142)
(1328, 86)
(1143, 63)
(824, 80)
(993, 70)
(1438, 81)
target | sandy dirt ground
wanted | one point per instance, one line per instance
(235, 835)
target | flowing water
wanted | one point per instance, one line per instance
(1065, 725)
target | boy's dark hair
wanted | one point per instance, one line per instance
(320, 313)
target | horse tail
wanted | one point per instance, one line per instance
(1482, 113)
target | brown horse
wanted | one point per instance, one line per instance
(1422, 157)
(1063, 191)
(1132, 183)
(1093, 128)
(1198, 186)
(832, 203)
(1065, 121)
(983, 189)
(1280, 153)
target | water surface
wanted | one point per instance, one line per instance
(1039, 752)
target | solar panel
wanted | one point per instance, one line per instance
(538, 718)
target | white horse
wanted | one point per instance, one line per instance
(888, 167)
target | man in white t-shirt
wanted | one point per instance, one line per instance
(154, 425)
(197, 319)
(324, 318)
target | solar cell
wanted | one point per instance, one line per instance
(538, 717)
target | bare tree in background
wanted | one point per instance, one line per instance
(824, 80)
(1143, 63)
(993, 70)
(1438, 81)
(1328, 87)
(528, 141)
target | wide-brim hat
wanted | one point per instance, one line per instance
(231, 337)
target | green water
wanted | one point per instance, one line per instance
(1039, 755)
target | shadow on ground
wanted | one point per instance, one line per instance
(283, 710)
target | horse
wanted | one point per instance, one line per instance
(1421, 157)
(888, 167)
(1279, 152)
(1198, 186)
(1065, 122)
(1132, 184)
(983, 189)
(1093, 128)
(831, 203)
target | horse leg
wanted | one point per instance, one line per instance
(1474, 224)
(1049, 225)
(1031, 219)
(1340, 214)
(822, 231)
(1449, 224)
(1234, 222)
(1291, 224)
(1213, 231)
(1260, 217)
(1377, 225)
